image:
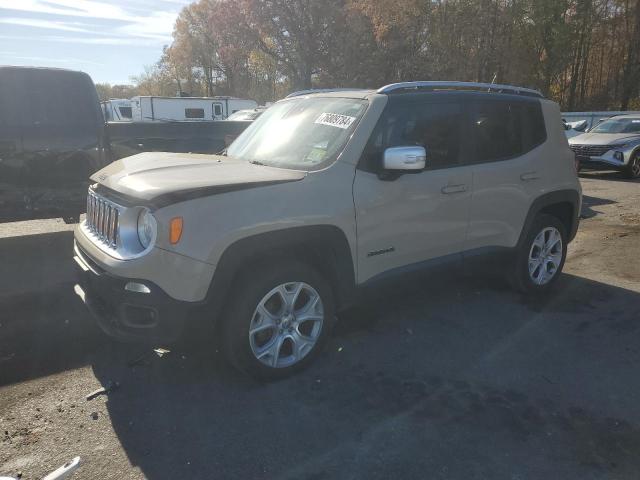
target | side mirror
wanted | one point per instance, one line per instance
(405, 159)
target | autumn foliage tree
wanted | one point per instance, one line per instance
(583, 53)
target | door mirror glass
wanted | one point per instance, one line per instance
(405, 158)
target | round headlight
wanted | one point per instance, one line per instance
(147, 228)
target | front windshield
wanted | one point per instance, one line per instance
(619, 125)
(302, 134)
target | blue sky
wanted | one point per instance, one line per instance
(110, 40)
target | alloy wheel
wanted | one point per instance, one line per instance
(545, 256)
(286, 324)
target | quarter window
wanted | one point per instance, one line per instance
(533, 130)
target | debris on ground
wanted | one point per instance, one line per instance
(94, 415)
(110, 387)
(409, 331)
(161, 352)
(65, 470)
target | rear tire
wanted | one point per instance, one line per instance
(540, 258)
(278, 320)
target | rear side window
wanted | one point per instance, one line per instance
(194, 112)
(497, 131)
(503, 130)
(435, 126)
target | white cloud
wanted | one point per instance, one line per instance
(46, 24)
(98, 40)
(156, 25)
(65, 61)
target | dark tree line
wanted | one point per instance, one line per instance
(583, 53)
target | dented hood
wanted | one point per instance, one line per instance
(165, 178)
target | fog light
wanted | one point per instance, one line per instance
(619, 156)
(137, 287)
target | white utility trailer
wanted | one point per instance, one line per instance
(186, 109)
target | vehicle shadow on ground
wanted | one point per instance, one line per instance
(589, 202)
(44, 328)
(611, 175)
(434, 379)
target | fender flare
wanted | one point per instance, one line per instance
(549, 199)
(325, 246)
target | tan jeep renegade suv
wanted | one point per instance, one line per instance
(325, 193)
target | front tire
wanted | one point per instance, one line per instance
(632, 170)
(540, 258)
(278, 320)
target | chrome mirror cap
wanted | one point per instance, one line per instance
(412, 158)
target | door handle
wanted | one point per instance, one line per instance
(529, 176)
(449, 189)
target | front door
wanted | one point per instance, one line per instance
(408, 219)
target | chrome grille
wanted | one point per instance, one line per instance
(102, 219)
(591, 150)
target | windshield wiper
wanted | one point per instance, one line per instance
(257, 162)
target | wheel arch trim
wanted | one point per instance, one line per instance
(549, 199)
(326, 246)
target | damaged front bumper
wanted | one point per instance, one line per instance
(129, 309)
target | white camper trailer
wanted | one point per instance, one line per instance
(116, 110)
(186, 109)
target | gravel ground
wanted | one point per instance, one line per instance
(454, 378)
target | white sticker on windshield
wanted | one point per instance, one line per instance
(335, 120)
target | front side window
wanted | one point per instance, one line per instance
(619, 125)
(435, 126)
(497, 131)
(301, 134)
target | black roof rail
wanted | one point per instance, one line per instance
(321, 90)
(489, 87)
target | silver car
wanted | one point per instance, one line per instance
(613, 144)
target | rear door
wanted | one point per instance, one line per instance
(506, 137)
(405, 220)
(12, 120)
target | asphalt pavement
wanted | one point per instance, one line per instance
(441, 377)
